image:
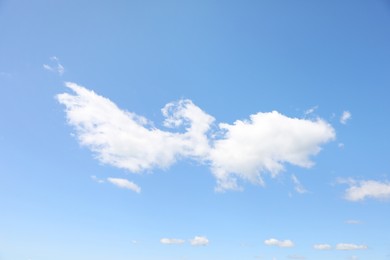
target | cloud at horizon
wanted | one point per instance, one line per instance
(242, 151)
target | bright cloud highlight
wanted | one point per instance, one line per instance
(244, 150)
(279, 243)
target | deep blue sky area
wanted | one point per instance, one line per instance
(162, 130)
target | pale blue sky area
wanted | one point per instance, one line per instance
(90, 169)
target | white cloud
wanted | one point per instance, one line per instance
(345, 117)
(360, 190)
(298, 186)
(279, 243)
(57, 67)
(263, 144)
(172, 241)
(125, 184)
(343, 246)
(242, 151)
(322, 246)
(126, 140)
(199, 241)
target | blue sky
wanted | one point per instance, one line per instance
(194, 130)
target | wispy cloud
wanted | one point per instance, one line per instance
(172, 241)
(353, 222)
(55, 67)
(343, 246)
(310, 110)
(96, 179)
(322, 246)
(360, 190)
(279, 243)
(124, 184)
(297, 257)
(244, 150)
(199, 241)
(345, 117)
(4, 74)
(298, 186)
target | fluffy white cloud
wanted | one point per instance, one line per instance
(279, 243)
(298, 186)
(243, 150)
(126, 140)
(263, 144)
(322, 246)
(58, 68)
(199, 241)
(360, 190)
(125, 184)
(345, 117)
(343, 246)
(172, 241)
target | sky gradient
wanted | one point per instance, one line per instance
(160, 130)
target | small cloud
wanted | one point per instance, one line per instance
(96, 179)
(360, 190)
(199, 241)
(341, 145)
(353, 222)
(345, 117)
(343, 246)
(172, 241)
(310, 110)
(354, 257)
(279, 243)
(56, 67)
(298, 186)
(125, 184)
(322, 246)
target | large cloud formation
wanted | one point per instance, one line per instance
(243, 150)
